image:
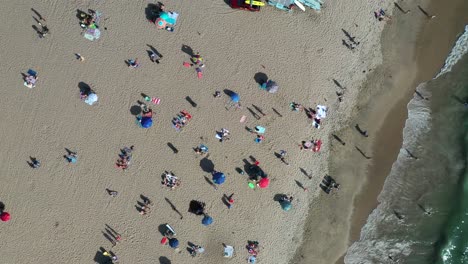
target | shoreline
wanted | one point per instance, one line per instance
(429, 59)
(384, 116)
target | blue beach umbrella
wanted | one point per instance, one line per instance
(234, 97)
(207, 220)
(173, 243)
(146, 122)
(286, 205)
(219, 178)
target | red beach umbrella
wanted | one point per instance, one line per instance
(264, 182)
(5, 217)
(160, 23)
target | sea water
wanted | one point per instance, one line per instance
(422, 216)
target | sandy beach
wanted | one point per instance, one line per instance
(60, 210)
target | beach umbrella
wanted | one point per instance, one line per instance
(196, 207)
(160, 23)
(207, 220)
(286, 205)
(173, 242)
(234, 97)
(272, 86)
(146, 122)
(264, 182)
(219, 177)
(91, 99)
(5, 217)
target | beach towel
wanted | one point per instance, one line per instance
(228, 251)
(186, 64)
(321, 111)
(260, 129)
(155, 100)
(243, 118)
(199, 73)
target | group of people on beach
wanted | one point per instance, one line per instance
(125, 157)
(88, 20)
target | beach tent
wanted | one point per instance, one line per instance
(146, 122)
(5, 217)
(264, 183)
(207, 220)
(91, 99)
(174, 243)
(272, 86)
(196, 207)
(285, 205)
(219, 178)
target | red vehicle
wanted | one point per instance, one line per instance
(240, 4)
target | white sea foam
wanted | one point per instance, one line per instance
(460, 49)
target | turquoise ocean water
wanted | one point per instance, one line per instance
(422, 216)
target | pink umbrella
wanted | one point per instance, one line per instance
(5, 217)
(264, 182)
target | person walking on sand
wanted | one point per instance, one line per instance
(282, 155)
(230, 201)
(79, 57)
(72, 157)
(35, 163)
(155, 57)
(112, 193)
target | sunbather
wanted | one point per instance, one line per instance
(133, 63)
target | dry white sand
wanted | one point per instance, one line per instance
(60, 210)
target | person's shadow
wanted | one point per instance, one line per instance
(207, 165)
(135, 110)
(260, 78)
(278, 197)
(84, 88)
(164, 260)
(188, 50)
(31, 162)
(152, 12)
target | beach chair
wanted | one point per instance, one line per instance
(32, 72)
(186, 115)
